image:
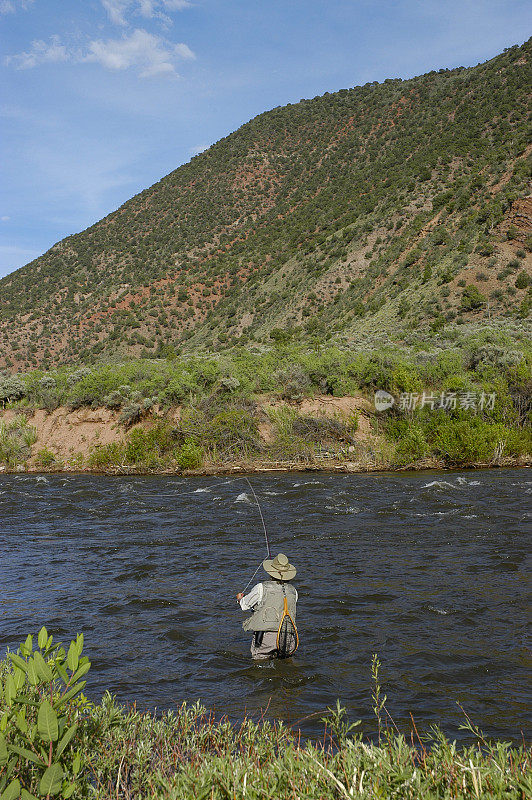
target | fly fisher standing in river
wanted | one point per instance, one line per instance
(273, 604)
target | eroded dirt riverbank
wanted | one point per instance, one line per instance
(65, 441)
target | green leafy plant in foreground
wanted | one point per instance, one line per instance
(39, 720)
(53, 743)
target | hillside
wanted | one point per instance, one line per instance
(386, 207)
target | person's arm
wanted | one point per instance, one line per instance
(252, 599)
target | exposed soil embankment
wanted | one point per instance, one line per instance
(66, 440)
(72, 436)
(67, 433)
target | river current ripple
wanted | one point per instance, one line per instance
(427, 570)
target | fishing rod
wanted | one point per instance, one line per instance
(265, 534)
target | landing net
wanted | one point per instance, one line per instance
(287, 636)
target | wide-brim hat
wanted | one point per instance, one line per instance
(280, 568)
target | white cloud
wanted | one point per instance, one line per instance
(142, 50)
(10, 6)
(145, 52)
(5, 218)
(184, 51)
(176, 5)
(40, 53)
(197, 149)
(118, 9)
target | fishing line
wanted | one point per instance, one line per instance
(262, 518)
(251, 579)
(237, 480)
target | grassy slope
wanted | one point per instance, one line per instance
(367, 209)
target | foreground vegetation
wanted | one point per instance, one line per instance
(53, 742)
(479, 408)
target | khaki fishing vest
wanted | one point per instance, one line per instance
(268, 613)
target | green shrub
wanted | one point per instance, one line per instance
(493, 359)
(294, 381)
(189, 455)
(468, 440)
(16, 439)
(233, 432)
(107, 455)
(411, 258)
(11, 388)
(78, 375)
(41, 720)
(485, 249)
(113, 400)
(281, 335)
(75, 461)
(472, 298)
(178, 389)
(45, 458)
(447, 363)
(130, 414)
(526, 306)
(376, 371)
(151, 447)
(427, 273)
(90, 389)
(406, 379)
(523, 280)
(411, 446)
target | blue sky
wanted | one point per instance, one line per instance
(101, 98)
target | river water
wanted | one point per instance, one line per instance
(428, 570)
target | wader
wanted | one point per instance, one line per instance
(266, 620)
